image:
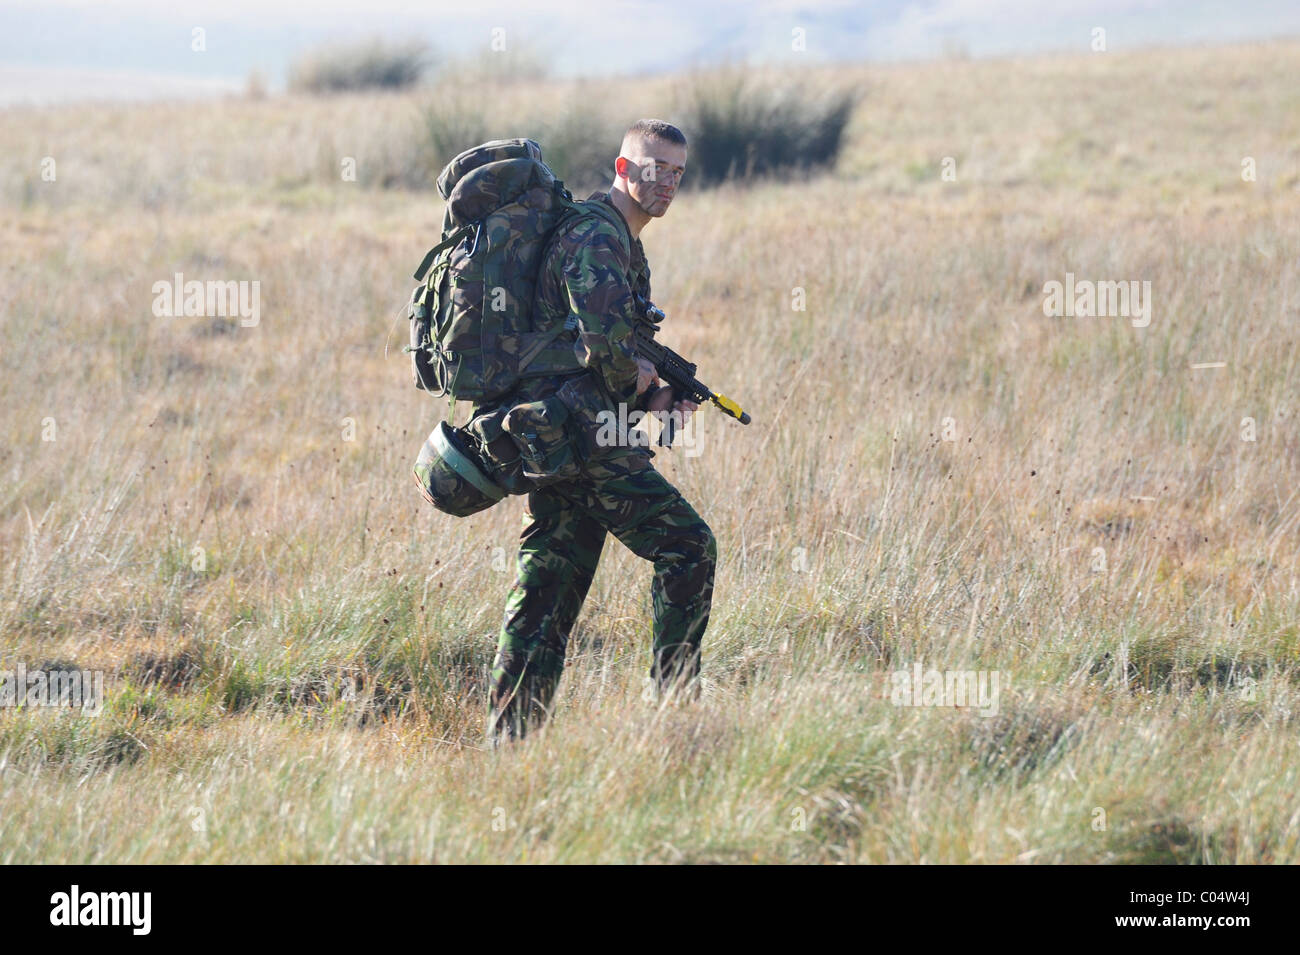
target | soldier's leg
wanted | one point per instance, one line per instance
(558, 552)
(652, 519)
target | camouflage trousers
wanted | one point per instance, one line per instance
(564, 532)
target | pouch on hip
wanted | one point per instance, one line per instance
(547, 450)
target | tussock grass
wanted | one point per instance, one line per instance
(1096, 530)
(743, 128)
(373, 64)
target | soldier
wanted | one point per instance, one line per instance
(592, 276)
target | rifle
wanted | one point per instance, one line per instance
(675, 370)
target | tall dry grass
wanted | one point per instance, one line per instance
(316, 691)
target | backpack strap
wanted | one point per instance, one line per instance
(611, 215)
(539, 344)
(447, 241)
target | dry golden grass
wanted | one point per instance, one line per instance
(1098, 531)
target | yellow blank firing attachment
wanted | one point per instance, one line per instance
(731, 408)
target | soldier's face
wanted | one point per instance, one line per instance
(654, 174)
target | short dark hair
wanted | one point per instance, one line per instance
(656, 129)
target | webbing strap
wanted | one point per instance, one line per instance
(433, 253)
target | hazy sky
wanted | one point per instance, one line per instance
(140, 47)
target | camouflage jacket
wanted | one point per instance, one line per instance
(589, 280)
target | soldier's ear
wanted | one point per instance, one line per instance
(620, 167)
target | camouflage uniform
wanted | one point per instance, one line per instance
(589, 279)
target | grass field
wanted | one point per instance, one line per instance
(221, 517)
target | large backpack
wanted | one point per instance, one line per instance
(473, 334)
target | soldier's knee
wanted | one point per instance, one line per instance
(701, 545)
(700, 551)
(687, 561)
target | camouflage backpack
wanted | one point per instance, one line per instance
(472, 330)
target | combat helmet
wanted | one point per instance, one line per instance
(450, 476)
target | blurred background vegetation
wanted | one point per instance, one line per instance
(371, 65)
(739, 126)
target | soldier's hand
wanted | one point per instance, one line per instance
(662, 400)
(659, 400)
(645, 375)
